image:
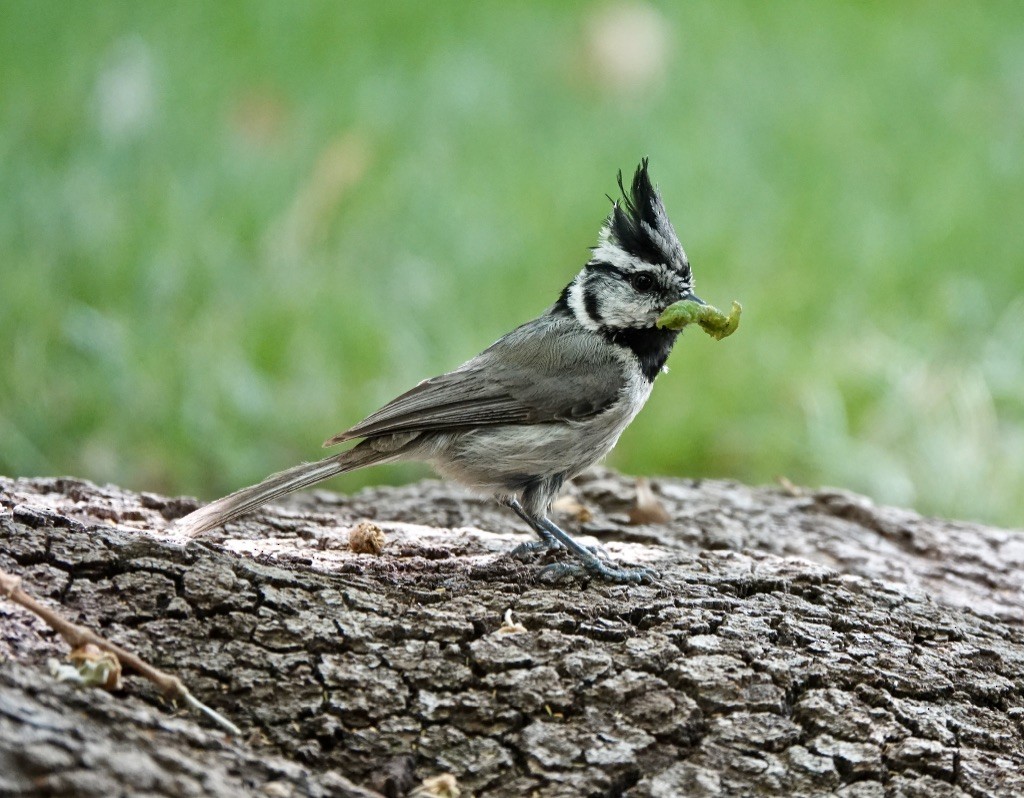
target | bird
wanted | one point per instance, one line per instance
(541, 404)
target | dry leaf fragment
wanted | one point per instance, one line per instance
(510, 627)
(366, 538)
(442, 786)
(572, 506)
(789, 487)
(98, 668)
(648, 509)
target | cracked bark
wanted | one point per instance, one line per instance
(795, 644)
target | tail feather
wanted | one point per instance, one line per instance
(273, 487)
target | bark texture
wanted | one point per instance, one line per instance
(795, 643)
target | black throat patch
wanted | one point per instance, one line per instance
(649, 345)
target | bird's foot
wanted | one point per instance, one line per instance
(530, 549)
(609, 573)
(553, 537)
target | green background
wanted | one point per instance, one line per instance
(229, 230)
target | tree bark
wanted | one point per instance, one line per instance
(794, 643)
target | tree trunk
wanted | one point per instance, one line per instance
(794, 643)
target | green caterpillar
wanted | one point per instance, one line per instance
(711, 319)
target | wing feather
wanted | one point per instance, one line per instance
(547, 370)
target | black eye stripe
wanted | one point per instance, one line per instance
(601, 267)
(590, 305)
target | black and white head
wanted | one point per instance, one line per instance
(637, 270)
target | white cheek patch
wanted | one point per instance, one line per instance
(623, 308)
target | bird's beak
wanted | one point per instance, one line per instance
(692, 297)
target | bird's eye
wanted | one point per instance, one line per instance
(642, 282)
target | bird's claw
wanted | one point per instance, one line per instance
(530, 549)
(561, 570)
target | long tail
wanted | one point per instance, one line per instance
(275, 486)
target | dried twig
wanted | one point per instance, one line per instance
(77, 636)
(648, 509)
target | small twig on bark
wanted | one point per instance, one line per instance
(76, 636)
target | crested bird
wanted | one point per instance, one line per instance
(542, 403)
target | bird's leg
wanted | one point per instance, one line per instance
(590, 562)
(547, 541)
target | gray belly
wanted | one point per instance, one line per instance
(500, 459)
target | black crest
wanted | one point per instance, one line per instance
(640, 227)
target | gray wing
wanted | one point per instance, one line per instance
(546, 370)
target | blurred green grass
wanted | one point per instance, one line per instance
(231, 230)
